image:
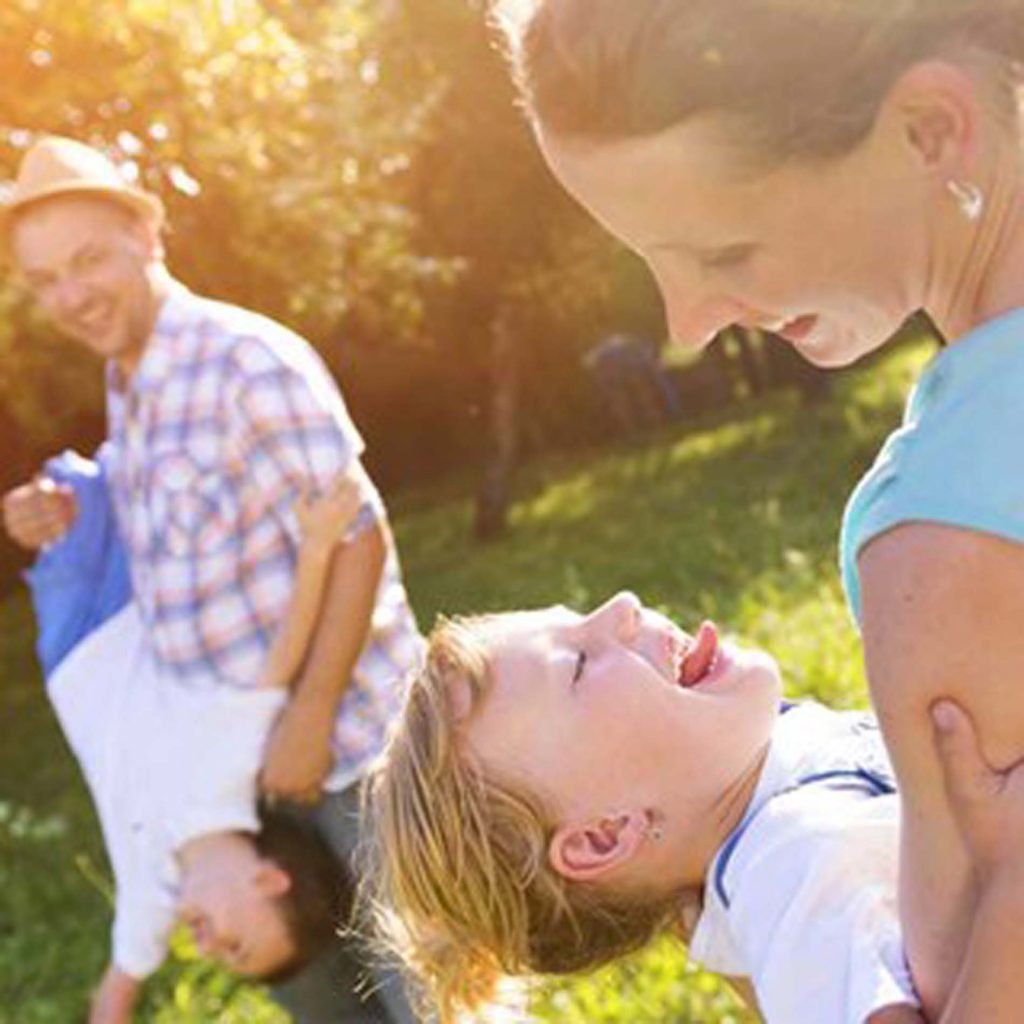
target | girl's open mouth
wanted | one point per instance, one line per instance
(703, 660)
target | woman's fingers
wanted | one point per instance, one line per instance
(968, 776)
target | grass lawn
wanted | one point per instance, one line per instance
(734, 519)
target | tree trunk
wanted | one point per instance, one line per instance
(493, 496)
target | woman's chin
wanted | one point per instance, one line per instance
(831, 348)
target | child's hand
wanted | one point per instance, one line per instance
(39, 513)
(325, 517)
(114, 1000)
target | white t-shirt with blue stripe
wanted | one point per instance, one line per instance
(801, 899)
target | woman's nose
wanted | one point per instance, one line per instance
(695, 323)
(695, 312)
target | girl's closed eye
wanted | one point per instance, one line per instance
(577, 674)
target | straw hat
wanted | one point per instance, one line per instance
(56, 166)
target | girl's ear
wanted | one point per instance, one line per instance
(586, 851)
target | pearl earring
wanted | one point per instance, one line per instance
(969, 197)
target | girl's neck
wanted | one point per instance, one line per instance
(683, 859)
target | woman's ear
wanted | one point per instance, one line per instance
(586, 851)
(936, 108)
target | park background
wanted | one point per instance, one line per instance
(359, 171)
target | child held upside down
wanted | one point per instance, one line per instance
(172, 769)
(562, 787)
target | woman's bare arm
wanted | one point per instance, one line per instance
(943, 616)
(897, 1015)
(988, 805)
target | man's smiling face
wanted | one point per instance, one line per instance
(85, 260)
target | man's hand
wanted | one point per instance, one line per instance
(298, 756)
(114, 1000)
(38, 513)
(988, 803)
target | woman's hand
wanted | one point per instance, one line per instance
(988, 807)
(988, 803)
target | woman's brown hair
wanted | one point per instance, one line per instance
(805, 77)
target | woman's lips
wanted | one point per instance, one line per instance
(797, 330)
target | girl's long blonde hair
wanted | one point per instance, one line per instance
(457, 877)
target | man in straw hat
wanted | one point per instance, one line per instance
(219, 420)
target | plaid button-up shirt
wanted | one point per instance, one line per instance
(227, 419)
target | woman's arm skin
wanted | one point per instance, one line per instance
(988, 806)
(897, 1015)
(943, 616)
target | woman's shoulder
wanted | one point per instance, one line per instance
(958, 458)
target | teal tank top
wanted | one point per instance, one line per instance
(958, 458)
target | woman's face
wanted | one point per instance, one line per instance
(831, 254)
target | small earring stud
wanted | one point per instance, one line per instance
(969, 197)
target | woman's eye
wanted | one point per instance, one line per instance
(577, 674)
(729, 258)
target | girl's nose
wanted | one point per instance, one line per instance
(619, 615)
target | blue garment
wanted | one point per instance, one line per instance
(82, 580)
(958, 459)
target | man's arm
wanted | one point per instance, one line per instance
(942, 616)
(298, 756)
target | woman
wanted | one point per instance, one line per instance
(822, 169)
